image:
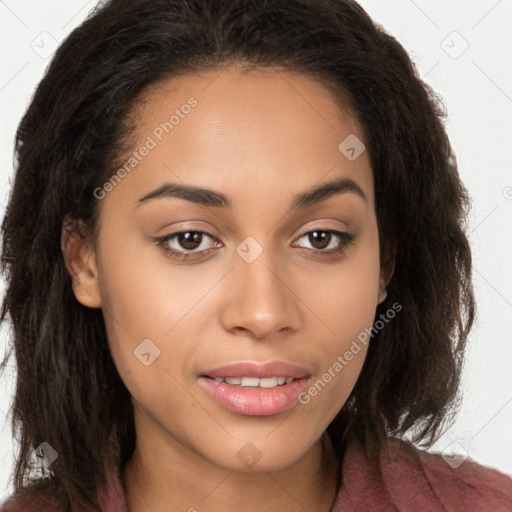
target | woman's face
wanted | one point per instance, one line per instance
(257, 288)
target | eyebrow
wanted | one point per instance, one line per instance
(209, 197)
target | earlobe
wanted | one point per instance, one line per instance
(387, 271)
(80, 260)
(383, 293)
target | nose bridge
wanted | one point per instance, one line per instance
(260, 301)
(256, 269)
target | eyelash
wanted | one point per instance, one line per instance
(347, 240)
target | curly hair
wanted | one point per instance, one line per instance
(72, 137)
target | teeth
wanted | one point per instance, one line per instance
(267, 382)
(250, 381)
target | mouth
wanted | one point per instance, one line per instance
(253, 389)
(254, 382)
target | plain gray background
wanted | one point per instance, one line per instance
(462, 48)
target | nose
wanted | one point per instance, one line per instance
(261, 299)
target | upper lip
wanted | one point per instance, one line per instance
(258, 370)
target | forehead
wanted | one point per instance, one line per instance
(245, 133)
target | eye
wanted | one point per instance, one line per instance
(321, 239)
(189, 244)
(190, 240)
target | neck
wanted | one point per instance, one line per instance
(170, 484)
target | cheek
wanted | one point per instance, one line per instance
(143, 293)
(347, 298)
(144, 308)
(347, 309)
(344, 296)
(346, 303)
(144, 297)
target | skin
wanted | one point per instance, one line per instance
(260, 138)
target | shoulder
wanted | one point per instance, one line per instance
(408, 478)
(16, 503)
(41, 496)
(34, 498)
(470, 485)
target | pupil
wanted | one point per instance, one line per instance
(189, 242)
(323, 237)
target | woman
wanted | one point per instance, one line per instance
(244, 276)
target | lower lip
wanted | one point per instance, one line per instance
(252, 401)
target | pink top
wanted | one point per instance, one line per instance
(409, 480)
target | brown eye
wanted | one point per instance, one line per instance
(319, 239)
(189, 239)
(184, 243)
(324, 240)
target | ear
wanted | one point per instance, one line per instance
(80, 258)
(387, 268)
